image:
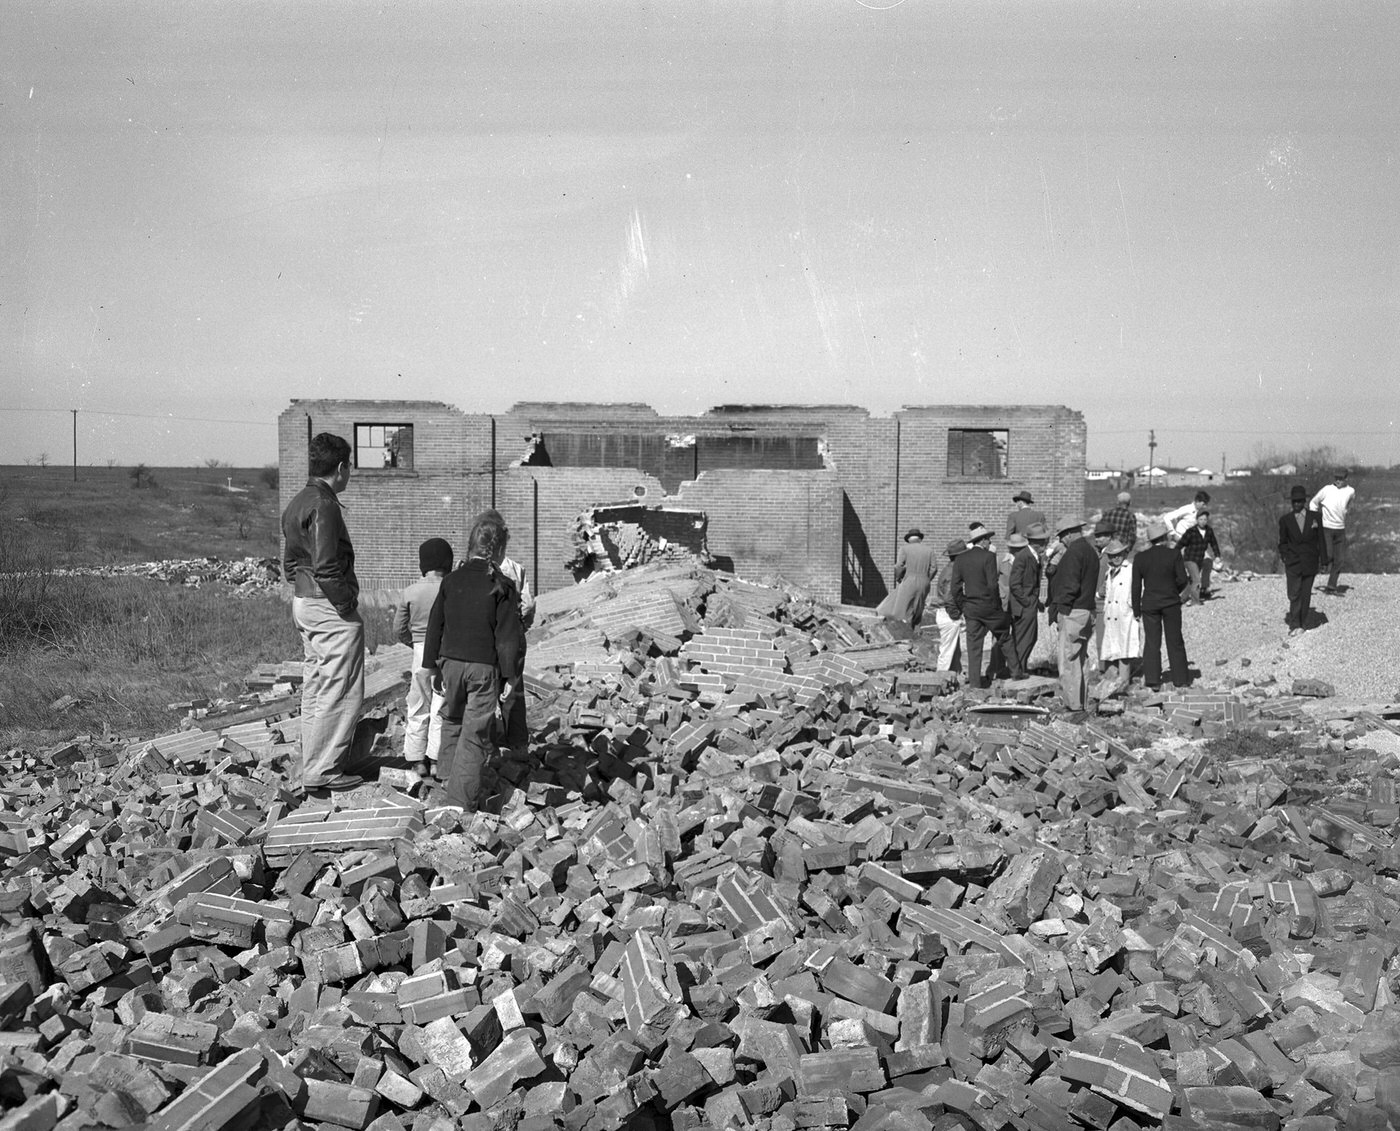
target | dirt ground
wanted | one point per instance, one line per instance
(1241, 634)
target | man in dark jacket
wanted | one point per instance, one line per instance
(1023, 600)
(1158, 579)
(319, 562)
(1301, 549)
(977, 599)
(1024, 516)
(1071, 606)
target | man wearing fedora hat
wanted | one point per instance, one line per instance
(1303, 552)
(977, 599)
(1158, 579)
(913, 573)
(1024, 516)
(1072, 590)
(1023, 601)
(952, 629)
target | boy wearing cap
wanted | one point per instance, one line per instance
(1332, 502)
(1024, 516)
(1199, 551)
(422, 739)
(1302, 551)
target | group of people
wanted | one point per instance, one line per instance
(1112, 591)
(467, 626)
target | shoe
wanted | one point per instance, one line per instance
(338, 784)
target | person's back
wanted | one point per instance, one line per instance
(1122, 520)
(468, 622)
(473, 644)
(414, 605)
(976, 569)
(422, 724)
(1074, 584)
(1158, 578)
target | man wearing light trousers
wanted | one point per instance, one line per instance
(319, 562)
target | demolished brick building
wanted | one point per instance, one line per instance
(820, 494)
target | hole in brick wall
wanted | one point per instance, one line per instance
(640, 491)
(381, 446)
(536, 455)
(978, 453)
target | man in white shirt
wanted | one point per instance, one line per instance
(1179, 521)
(1332, 501)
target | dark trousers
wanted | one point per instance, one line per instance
(1025, 630)
(469, 694)
(979, 626)
(1154, 624)
(1300, 587)
(517, 736)
(1336, 543)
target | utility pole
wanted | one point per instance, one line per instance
(1151, 456)
(75, 444)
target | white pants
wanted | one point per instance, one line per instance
(951, 633)
(332, 687)
(422, 737)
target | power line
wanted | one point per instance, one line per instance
(1247, 432)
(150, 416)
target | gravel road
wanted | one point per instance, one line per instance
(1241, 633)
(1357, 650)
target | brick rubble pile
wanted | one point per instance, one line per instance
(763, 870)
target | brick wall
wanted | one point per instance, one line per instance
(764, 522)
(836, 529)
(1045, 455)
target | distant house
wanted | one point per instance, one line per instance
(1239, 473)
(1099, 474)
(1177, 476)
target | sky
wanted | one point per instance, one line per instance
(1171, 217)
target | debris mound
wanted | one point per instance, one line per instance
(761, 869)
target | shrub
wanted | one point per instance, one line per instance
(271, 475)
(141, 477)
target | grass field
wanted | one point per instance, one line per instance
(102, 519)
(127, 648)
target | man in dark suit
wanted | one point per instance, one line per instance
(1023, 600)
(1070, 604)
(1158, 579)
(977, 599)
(1020, 520)
(1301, 548)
